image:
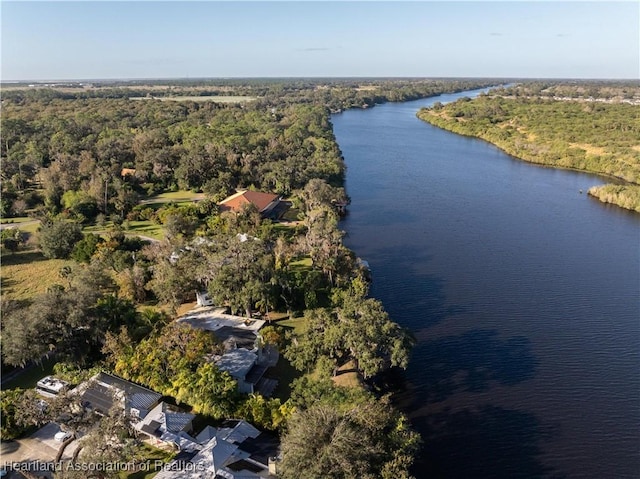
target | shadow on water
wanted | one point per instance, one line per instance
(424, 302)
(469, 362)
(489, 442)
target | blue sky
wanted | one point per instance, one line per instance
(90, 40)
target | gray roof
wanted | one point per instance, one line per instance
(150, 428)
(166, 418)
(237, 362)
(237, 431)
(103, 391)
(236, 337)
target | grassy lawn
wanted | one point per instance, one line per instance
(18, 220)
(302, 265)
(285, 373)
(31, 376)
(30, 227)
(26, 274)
(297, 324)
(291, 215)
(144, 228)
(287, 230)
(347, 376)
(151, 455)
(176, 196)
(23, 223)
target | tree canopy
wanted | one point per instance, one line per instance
(359, 330)
(370, 440)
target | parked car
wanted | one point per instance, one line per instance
(62, 436)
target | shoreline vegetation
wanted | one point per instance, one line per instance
(574, 131)
(89, 164)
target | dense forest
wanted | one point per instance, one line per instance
(593, 129)
(81, 168)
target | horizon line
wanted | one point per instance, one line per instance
(312, 77)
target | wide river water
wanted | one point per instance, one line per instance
(523, 293)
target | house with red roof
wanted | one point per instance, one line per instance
(268, 204)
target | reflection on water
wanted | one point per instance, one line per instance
(522, 293)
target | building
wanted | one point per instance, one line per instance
(105, 390)
(268, 204)
(51, 387)
(165, 425)
(214, 319)
(245, 359)
(239, 363)
(235, 451)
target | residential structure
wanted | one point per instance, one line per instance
(268, 204)
(50, 387)
(245, 358)
(105, 390)
(165, 424)
(235, 451)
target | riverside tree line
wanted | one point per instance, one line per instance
(582, 126)
(62, 161)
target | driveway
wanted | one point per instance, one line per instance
(40, 447)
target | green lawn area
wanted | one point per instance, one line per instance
(144, 228)
(297, 324)
(26, 274)
(30, 227)
(175, 196)
(23, 223)
(291, 215)
(151, 455)
(302, 265)
(285, 373)
(31, 376)
(18, 220)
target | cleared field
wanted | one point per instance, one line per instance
(215, 99)
(26, 274)
(174, 196)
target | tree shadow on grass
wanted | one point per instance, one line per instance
(490, 442)
(22, 257)
(469, 362)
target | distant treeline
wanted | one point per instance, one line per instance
(60, 140)
(597, 137)
(336, 94)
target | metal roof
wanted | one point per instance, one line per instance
(237, 362)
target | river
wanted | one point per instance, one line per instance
(522, 291)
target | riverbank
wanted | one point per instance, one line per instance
(567, 135)
(482, 256)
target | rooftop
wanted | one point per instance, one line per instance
(50, 386)
(236, 201)
(237, 362)
(212, 319)
(165, 418)
(104, 389)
